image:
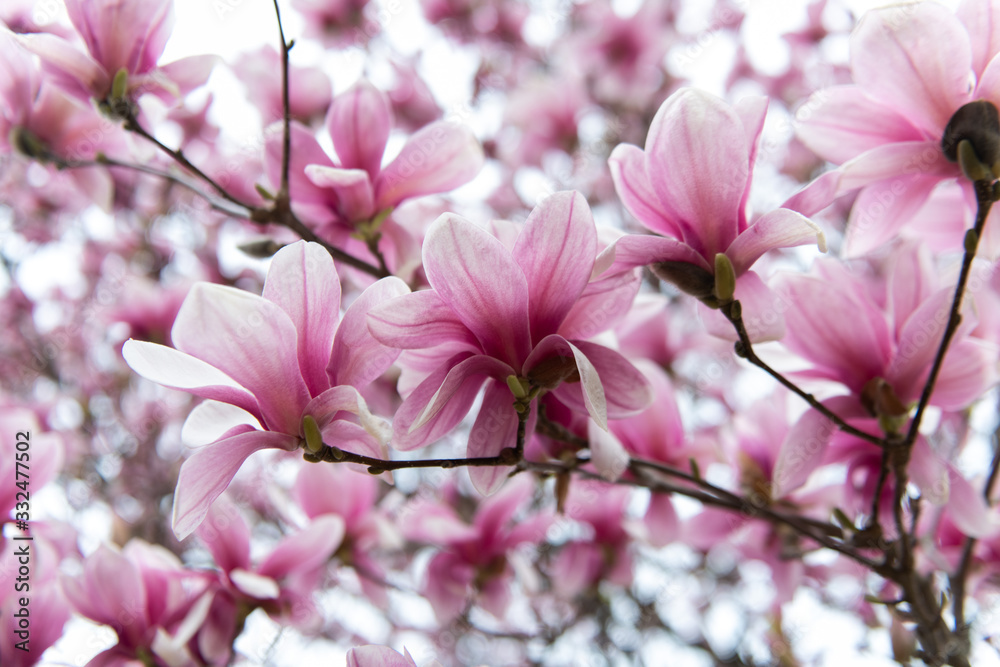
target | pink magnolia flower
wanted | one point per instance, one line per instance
(378, 656)
(692, 184)
(496, 314)
(41, 458)
(878, 340)
(475, 562)
(913, 66)
(282, 583)
(267, 362)
(120, 36)
(354, 195)
(309, 89)
(144, 594)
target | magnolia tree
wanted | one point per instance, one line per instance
(533, 378)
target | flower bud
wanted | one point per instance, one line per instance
(978, 123)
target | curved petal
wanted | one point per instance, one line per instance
(68, 62)
(377, 656)
(627, 390)
(186, 74)
(606, 452)
(981, 19)
(111, 591)
(315, 202)
(556, 250)
(898, 160)
(359, 122)
(441, 401)
(355, 199)
(585, 395)
(206, 474)
(634, 250)
(177, 370)
(780, 228)
(801, 452)
(842, 122)
(305, 550)
(752, 111)
(698, 161)
(915, 58)
(128, 35)
(601, 306)
(211, 420)
(226, 535)
(418, 320)
(883, 209)
(495, 429)
(480, 281)
(628, 172)
(358, 358)
(438, 158)
(303, 281)
(253, 341)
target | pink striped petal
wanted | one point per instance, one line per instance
(556, 250)
(585, 396)
(882, 210)
(780, 228)
(601, 306)
(752, 111)
(226, 535)
(440, 402)
(177, 370)
(698, 162)
(206, 474)
(606, 452)
(968, 509)
(315, 203)
(981, 18)
(358, 358)
(900, 160)
(359, 122)
(123, 34)
(250, 339)
(495, 429)
(628, 172)
(634, 250)
(480, 281)
(418, 320)
(353, 189)
(305, 550)
(661, 521)
(72, 68)
(304, 283)
(801, 452)
(842, 122)
(893, 58)
(378, 656)
(438, 158)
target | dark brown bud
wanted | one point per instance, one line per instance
(979, 123)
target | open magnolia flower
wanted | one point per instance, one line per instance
(513, 318)
(692, 185)
(277, 368)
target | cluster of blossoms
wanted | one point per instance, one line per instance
(317, 388)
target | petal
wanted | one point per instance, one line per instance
(441, 401)
(780, 228)
(302, 280)
(918, 61)
(883, 208)
(495, 429)
(918, 341)
(252, 340)
(359, 122)
(111, 591)
(377, 656)
(211, 420)
(587, 394)
(661, 521)
(634, 250)
(698, 162)
(306, 550)
(982, 22)
(968, 509)
(68, 62)
(841, 122)
(438, 158)
(480, 281)
(628, 172)
(359, 358)
(254, 585)
(226, 535)
(431, 522)
(801, 452)
(817, 195)
(418, 320)
(555, 250)
(206, 474)
(606, 452)
(315, 203)
(331, 489)
(752, 111)
(355, 199)
(178, 370)
(601, 306)
(970, 370)
(119, 34)
(187, 73)
(626, 388)
(901, 160)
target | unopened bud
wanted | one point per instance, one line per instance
(973, 169)
(725, 278)
(119, 85)
(978, 123)
(310, 430)
(261, 248)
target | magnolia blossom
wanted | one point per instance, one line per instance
(378, 656)
(120, 36)
(914, 66)
(505, 316)
(356, 193)
(476, 560)
(268, 362)
(692, 185)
